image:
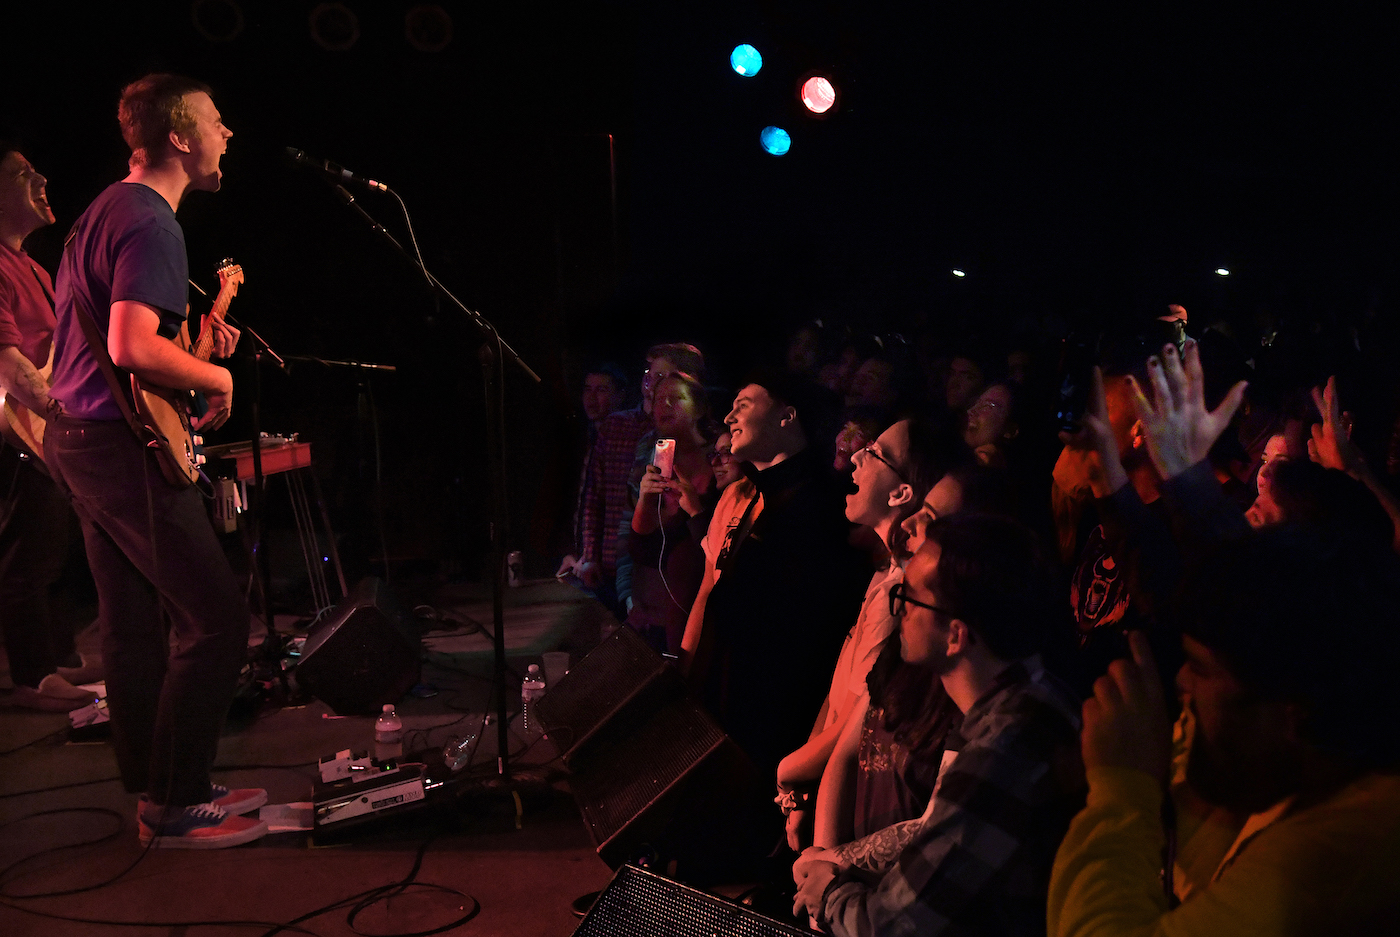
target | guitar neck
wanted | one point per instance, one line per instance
(205, 347)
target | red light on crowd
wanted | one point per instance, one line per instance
(818, 95)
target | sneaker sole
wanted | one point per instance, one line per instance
(220, 841)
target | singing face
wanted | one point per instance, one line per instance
(877, 475)
(24, 202)
(207, 142)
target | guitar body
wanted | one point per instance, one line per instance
(22, 427)
(166, 412)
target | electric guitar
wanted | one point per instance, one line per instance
(20, 426)
(166, 412)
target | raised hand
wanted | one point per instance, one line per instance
(1331, 445)
(1125, 721)
(1095, 439)
(1178, 428)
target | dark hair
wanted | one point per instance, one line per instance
(613, 373)
(815, 405)
(992, 575)
(697, 391)
(152, 107)
(1307, 615)
(6, 148)
(930, 455)
(984, 490)
(917, 708)
(1307, 493)
(685, 357)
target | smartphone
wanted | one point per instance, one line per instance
(664, 457)
(1076, 380)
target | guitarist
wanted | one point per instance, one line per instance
(34, 515)
(121, 297)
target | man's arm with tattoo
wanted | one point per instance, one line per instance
(878, 851)
(20, 379)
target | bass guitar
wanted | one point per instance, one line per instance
(166, 412)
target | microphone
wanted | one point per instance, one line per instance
(339, 173)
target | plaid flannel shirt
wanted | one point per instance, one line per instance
(978, 861)
(605, 489)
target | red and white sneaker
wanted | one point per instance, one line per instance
(238, 800)
(201, 826)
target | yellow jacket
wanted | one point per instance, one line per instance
(1329, 869)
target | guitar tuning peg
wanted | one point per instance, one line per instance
(199, 459)
(198, 439)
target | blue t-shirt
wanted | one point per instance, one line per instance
(127, 246)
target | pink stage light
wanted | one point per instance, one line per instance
(818, 95)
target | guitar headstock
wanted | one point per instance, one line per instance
(230, 276)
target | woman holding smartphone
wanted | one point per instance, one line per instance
(676, 491)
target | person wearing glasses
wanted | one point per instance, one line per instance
(975, 608)
(892, 474)
(604, 506)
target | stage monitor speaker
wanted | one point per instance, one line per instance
(621, 672)
(638, 903)
(664, 779)
(363, 654)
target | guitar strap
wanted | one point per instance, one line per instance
(109, 370)
(43, 288)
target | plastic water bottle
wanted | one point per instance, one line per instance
(388, 735)
(531, 689)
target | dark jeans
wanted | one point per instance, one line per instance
(33, 547)
(155, 559)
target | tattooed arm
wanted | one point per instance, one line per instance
(878, 851)
(20, 379)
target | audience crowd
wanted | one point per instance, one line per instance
(1079, 634)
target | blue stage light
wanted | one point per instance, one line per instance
(745, 60)
(775, 140)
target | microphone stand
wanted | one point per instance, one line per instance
(493, 353)
(271, 651)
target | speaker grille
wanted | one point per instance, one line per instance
(637, 764)
(597, 687)
(638, 903)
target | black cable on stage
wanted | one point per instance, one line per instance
(30, 744)
(368, 898)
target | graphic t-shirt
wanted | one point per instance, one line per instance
(127, 246)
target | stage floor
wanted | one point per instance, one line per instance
(62, 804)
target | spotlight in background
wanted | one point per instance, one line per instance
(217, 20)
(334, 27)
(818, 94)
(775, 141)
(1222, 271)
(745, 60)
(959, 273)
(427, 27)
